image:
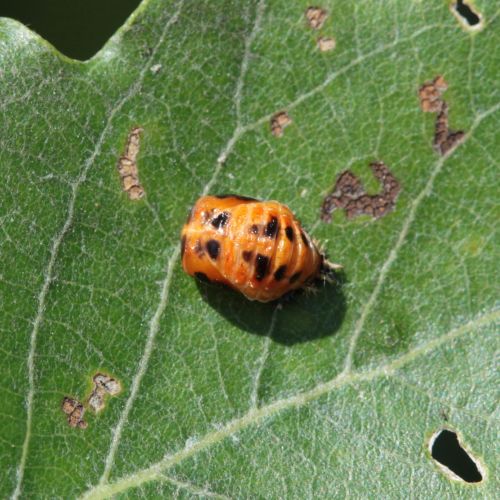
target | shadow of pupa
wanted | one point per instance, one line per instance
(305, 315)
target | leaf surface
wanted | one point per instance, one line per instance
(332, 395)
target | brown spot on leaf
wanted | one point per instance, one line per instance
(430, 94)
(279, 121)
(349, 194)
(75, 411)
(325, 43)
(127, 166)
(446, 140)
(431, 101)
(316, 17)
(104, 385)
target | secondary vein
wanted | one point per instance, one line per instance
(164, 296)
(256, 415)
(49, 271)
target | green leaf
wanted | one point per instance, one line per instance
(333, 395)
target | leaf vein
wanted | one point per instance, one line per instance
(164, 296)
(194, 489)
(335, 74)
(254, 398)
(393, 254)
(49, 272)
(254, 416)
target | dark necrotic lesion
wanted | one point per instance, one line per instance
(254, 229)
(213, 249)
(295, 277)
(289, 233)
(280, 273)
(220, 220)
(272, 228)
(261, 266)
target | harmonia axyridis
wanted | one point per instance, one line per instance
(255, 247)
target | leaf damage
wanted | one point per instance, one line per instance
(104, 385)
(326, 43)
(127, 166)
(431, 101)
(350, 195)
(452, 458)
(279, 122)
(303, 179)
(75, 411)
(316, 17)
(469, 18)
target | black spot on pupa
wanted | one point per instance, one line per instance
(289, 233)
(220, 220)
(304, 238)
(238, 197)
(295, 277)
(271, 228)
(261, 267)
(213, 249)
(280, 273)
(202, 277)
(247, 255)
(254, 229)
(183, 245)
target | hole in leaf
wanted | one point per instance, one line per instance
(466, 13)
(78, 29)
(446, 450)
(470, 19)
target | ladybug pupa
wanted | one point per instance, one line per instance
(255, 247)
